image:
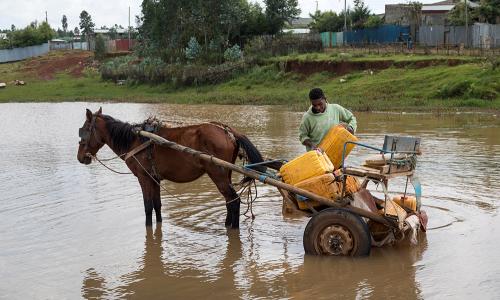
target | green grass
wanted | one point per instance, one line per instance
(466, 86)
(338, 56)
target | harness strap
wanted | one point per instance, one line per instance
(138, 149)
(226, 129)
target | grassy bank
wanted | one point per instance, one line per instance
(469, 85)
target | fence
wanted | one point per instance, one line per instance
(480, 35)
(384, 34)
(119, 45)
(8, 55)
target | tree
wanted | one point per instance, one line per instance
(489, 11)
(359, 15)
(278, 12)
(373, 21)
(327, 21)
(457, 15)
(86, 24)
(64, 22)
(255, 21)
(76, 31)
(100, 48)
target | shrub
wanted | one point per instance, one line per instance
(454, 89)
(100, 48)
(233, 53)
(193, 49)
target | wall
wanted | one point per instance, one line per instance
(398, 14)
(480, 35)
(8, 55)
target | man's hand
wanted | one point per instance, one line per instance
(308, 143)
(348, 127)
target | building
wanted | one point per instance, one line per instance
(300, 23)
(437, 13)
(398, 14)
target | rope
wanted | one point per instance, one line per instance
(101, 162)
(247, 186)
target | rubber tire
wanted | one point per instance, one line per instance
(335, 216)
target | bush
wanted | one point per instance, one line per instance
(233, 53)
(33, 34)
(193, 49)
(100, 48)
(154, 70)
(454, 89)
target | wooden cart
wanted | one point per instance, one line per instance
(336, 227)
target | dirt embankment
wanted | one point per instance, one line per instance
(344, 67)
(70, 62)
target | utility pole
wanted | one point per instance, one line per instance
(316, 5)
(345, 15)
(46, 20)
(129, 41)
(466, 26)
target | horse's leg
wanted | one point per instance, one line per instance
(157, 206)
(222, 180)
(151, 196)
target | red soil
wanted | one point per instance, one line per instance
(71, 62)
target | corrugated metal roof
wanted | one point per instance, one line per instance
(437, 7)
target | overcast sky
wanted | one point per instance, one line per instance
(110, 12)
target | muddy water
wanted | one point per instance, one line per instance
(69, 231)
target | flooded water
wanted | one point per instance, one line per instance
(73, 231)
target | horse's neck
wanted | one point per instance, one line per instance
(109, 142)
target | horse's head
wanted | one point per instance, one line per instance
(91, 136)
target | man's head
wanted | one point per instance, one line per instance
(318, 100)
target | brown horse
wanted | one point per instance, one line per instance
(165, 163)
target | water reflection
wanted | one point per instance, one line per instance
(154, 279)
(388, 273)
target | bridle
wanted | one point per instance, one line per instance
(86, 133)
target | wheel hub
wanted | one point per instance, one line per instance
(336, 240)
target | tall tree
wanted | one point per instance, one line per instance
(86, 24)
(280, 11)
(76, 31)
(360, 14)
(64, 22)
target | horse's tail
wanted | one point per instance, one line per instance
(251, 151)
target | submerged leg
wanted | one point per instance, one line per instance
(151, 196)
(223, 183)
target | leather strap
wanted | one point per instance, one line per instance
(138, 149)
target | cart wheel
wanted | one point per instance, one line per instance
(337, 232)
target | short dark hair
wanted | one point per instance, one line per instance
(316, 94)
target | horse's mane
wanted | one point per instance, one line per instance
(121, 133)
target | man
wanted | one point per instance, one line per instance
(320, 117)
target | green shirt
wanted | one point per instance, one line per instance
(315, 126)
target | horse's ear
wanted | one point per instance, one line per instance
(89, 115)
(99, 112)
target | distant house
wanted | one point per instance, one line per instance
(296, 30)
(119, 33)
(436, 13)
(300, 23)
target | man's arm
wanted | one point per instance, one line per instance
(304, 134)
(348, 117)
